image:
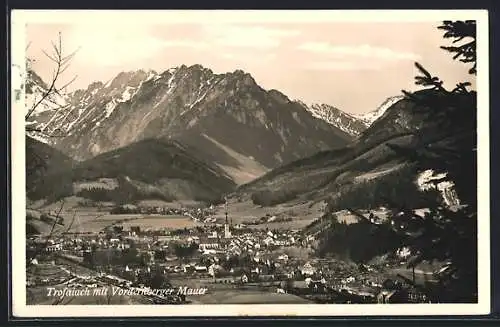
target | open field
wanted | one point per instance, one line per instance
(291, 225)
(177, 204)
(301, 213)
(88, 220)
(127, 220)
(94, 219)
(93, 222)
(70, 203)
(239, 296)
(160, 222)
(50, 273)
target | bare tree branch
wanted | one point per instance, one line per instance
(62, 63)
(72, 221)
(54, 224)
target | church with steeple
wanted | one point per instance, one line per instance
(227, 231)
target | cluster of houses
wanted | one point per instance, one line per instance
(216, 252)
(213, 252)
(249, 242)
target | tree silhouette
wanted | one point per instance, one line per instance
(460, 30)
(446, 146)
(183, 251)
(61, 63)
(447, 234)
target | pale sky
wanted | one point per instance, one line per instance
(353, 66)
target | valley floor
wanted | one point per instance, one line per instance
(280, 257)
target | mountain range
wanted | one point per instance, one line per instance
(228, 118)
(238, 130)
(336, 117)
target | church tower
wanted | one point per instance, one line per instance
(227, 232)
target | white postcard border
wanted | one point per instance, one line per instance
(19, 19)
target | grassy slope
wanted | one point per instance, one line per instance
(154, 167)
(41, 160)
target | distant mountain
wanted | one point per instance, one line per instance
(370, 117)
(35, 89)
(398, 115)
(45, 104)
(147, 169)
(336, 117)
(228, 118)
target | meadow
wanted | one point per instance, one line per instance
(90, 219)
(161, 222)
(301, 213)
(83, 220)
(241, 296)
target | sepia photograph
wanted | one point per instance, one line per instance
(245, 162)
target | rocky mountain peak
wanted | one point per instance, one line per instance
(279, 96)
(371, 116)
(131, 78)
(95, 86)
(336, 117)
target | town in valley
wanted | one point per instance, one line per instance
(213, 255)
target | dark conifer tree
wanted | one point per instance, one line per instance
(447, 234)
(446, 145)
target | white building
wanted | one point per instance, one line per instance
(208, 244)
(199, 268)
(283, 257)
(214, 269)
(54, 247)
(268, 241)
(307, 269)
(227, 232)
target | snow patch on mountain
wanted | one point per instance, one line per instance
(96, 103)
(152, 75)
(336, 117)
(110, 107)
(127, 94)
(35, 93)
(171, 83)
(369, 117)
